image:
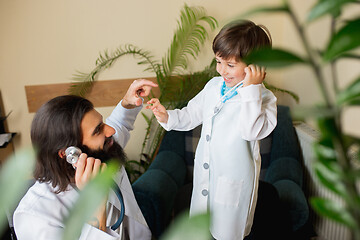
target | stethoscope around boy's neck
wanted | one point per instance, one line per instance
(223, 99)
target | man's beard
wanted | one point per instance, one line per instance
(109, 151)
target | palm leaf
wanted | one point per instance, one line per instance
(188, 38)
(84, 81)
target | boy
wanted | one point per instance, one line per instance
(235, 111)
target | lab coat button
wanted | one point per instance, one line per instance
(207, 137)
(206, 165)
(204, 192)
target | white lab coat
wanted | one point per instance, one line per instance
(41, 212)
(227, 159)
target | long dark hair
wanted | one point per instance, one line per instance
(56, 126)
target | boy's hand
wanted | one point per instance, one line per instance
(158, 110)
(254, 75)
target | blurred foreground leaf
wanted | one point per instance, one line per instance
(350, 95)
(330, 179)
(322, 8)
(346, 39)
(14, 179)
(89, 201)
(275, 9)
(333, 210)
(301, 112)
(273, 58)
(194, 228)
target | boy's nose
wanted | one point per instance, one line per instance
(221, 70)
(109, 131)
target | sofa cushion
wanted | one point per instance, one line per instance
(155, 193)
(293, 198)
(174, 141)
(285, 168)
(284, 141)
(172, 164)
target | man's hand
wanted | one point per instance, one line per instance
(86, 169)
(254, 75)
(158, 110)
(138, 89)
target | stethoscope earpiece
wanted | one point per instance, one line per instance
(72, 154)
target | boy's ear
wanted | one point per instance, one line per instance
(61, 153)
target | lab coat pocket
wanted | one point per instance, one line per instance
(228, 191)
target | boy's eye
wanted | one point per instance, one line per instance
(230, 65)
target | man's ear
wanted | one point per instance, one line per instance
(61, 153)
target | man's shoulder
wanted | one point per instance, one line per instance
(42, 199)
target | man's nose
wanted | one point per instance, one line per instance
(109, 131)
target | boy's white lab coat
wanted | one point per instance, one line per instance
(227, 160)
(40, 214)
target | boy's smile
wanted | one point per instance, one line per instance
(231, 70)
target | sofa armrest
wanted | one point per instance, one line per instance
(156, 190)
(285, 168)
(293, 199)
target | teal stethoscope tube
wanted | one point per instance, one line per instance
(122, 210)
(222, 100)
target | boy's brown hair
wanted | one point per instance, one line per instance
(237, 39)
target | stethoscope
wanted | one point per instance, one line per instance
(222, 100)
(72, 156)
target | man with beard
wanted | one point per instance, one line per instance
(72, 121)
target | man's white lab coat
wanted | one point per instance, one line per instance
(41, 212)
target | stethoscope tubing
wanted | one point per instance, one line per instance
(221, 102)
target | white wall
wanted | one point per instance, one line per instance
(46, 41)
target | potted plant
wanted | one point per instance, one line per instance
(177, 85)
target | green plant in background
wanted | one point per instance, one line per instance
(176, 85)
(336, 167)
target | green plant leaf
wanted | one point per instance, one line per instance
(301, 112)
(273, 58)
(326, 154)
(194, 228)
(15, 174)
(328, 128)
(269, 9)
(84, 81)
(324, 7)
(88, 202)
(330, 179)
(333, 210)
(147, 119)
(350, 95)
(346, 39)
(187, 39)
